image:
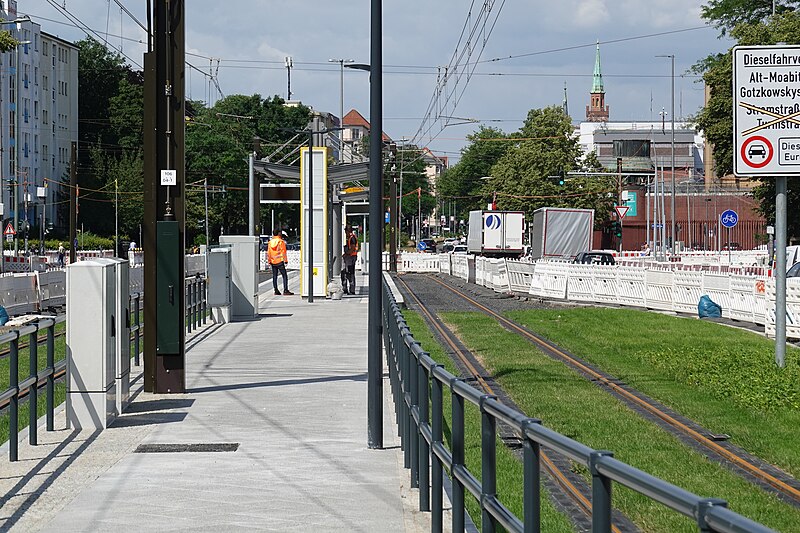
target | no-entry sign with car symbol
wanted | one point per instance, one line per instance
(766, 110)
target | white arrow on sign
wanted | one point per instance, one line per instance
(621, 210)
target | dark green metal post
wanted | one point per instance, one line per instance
(488, 463)
(374, 359)
(532, 482)
(601, 495)
(424, 449)
(13, 408)
(437, 481)
(458, 456)
(33, 392)
(51, 353)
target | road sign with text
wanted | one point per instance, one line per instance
(766, 110)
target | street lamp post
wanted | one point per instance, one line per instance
(336, 203)
(672, 149)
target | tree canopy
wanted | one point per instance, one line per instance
(749, 23)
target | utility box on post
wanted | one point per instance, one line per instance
(91, 343)
(244, 275)
(122, 311)
(219, 283)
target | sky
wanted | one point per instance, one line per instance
(536, 46)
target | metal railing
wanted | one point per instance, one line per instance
(30, 385)
(418, 384)
(196, 303)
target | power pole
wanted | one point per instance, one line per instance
(164, 201)
(73, 200)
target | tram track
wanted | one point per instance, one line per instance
(688, 431)
(564, 483)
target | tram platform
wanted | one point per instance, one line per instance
(287, 391)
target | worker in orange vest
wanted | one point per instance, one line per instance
(277, 258)
(349, 260)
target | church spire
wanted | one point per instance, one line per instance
(597, 110)
(597, 82)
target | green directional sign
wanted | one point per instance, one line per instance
(629, 200)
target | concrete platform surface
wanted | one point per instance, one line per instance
(288, 388)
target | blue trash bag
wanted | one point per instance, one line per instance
(707, 308)
(3, 316)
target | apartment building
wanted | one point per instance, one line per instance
(38, 120)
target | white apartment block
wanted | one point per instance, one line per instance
(38, 118)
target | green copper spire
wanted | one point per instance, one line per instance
(597, 82)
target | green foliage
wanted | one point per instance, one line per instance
(86, 241)
(218, 141)
(462, 181)
(752, 27)
(727, 14)
(527, 176)
(7, 41)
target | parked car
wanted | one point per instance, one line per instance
(445, 248)
(794, 272)
(594, 258)
(460, 249)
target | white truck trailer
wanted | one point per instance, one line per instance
(561, 233)
(496, 233)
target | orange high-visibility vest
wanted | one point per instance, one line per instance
(276, 251)
(352, 245)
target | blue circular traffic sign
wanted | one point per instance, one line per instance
(729, 218)
(421, 246)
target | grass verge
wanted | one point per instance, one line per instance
(569, 404)
(509, 469)
(723, 378)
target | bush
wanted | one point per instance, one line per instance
(87, 241)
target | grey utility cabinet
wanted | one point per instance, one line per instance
(244, 275)
(91, 345)
(219, 283)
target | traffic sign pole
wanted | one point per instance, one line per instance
(780, 275)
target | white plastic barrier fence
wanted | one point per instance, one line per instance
(658, 290)
(445, 264)
(500, 280)
(792, 308)
(18, 294)
(549, 280)
(605, 284)
(52, 289)
(631, 286)
(687, 290)
(460, 266)
(519, 275)
(580, 284)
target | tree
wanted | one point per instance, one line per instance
(528, 176)
(218, 141)
(716, 118)
(727, 14)
(462, 181)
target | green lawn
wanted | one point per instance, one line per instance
(573, 406)
(723, 378)
(509, 477)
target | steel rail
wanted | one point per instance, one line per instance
(779, 485)
(558, 476)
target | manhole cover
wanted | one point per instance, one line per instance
(178, 448)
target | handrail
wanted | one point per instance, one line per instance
(416, 378)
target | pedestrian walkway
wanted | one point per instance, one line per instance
(287, 390)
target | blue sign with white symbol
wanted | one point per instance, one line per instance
(421, 246)
(493, 221)
(729, 218)
(386, 217)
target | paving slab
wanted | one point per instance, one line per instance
(289, 389)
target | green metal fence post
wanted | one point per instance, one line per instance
(488, 464)
(601, 494)
(414, 434)
(13, 413)
(437, 471)
(424, 449)
(33, 391)
(51, 378)
(458, 455)
(532, 483)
